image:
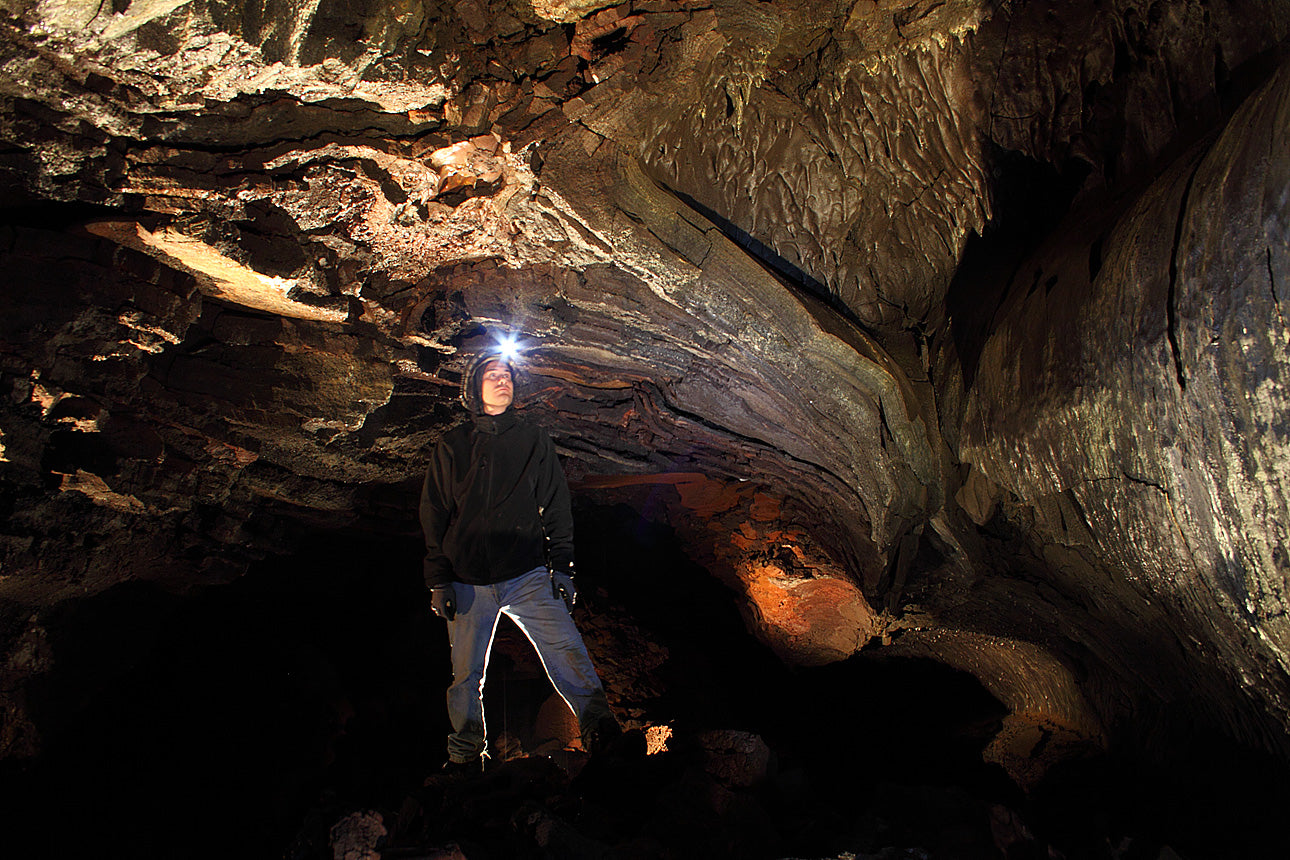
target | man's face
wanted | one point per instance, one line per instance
(497, 390)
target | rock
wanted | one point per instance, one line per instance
(737, 759)
(358, 836)
(1136, 434)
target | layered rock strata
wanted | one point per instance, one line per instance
(248, 246)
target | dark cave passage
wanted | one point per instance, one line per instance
(249, 718)
(230, 720)
(208, 724)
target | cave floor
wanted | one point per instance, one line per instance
(279, 715)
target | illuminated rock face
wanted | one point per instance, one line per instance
(248, 249)
(1143, 430)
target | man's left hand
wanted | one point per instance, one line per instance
(563, 588)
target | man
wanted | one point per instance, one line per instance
(499, 538)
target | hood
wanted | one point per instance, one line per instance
(472, 381)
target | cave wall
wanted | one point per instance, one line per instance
(947, 329)
(1128, 399)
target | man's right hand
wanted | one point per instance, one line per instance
(444, 602)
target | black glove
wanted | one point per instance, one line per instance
(562, 588)
(443, 600)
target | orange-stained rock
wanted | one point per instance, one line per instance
(796, 598)
(765, 507)
(708, 497)
(809, 622)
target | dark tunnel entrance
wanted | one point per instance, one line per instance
(251, 718)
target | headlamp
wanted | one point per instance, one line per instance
(509, 348)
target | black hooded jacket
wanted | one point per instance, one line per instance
(495, 503)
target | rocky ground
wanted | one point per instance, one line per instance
(301, 709)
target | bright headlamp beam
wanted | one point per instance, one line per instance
(509, 347)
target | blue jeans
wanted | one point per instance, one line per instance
(545, 620)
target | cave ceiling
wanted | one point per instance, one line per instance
(948, 327)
